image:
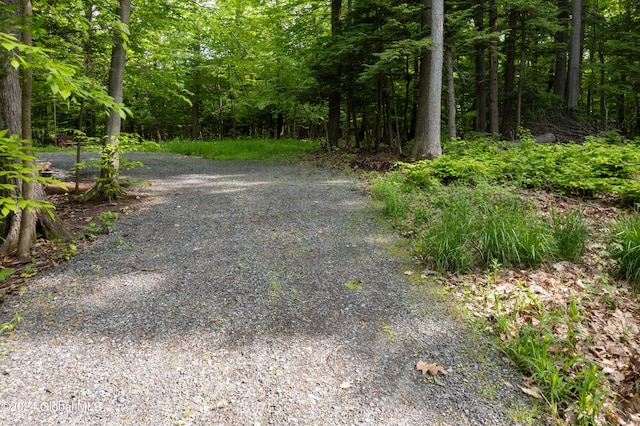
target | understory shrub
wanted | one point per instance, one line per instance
(595, 167)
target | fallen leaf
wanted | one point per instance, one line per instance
(432, 369)
(346, 385)
(532, 391)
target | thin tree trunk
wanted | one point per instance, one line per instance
(107, 186)
(28, 220)
(480, 71)
(451, 96)
(575, 55)
(494, 114)
(509, 75)
(561, 40)
(333, 127)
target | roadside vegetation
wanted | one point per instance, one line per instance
(542, 244)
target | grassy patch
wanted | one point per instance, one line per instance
(625, 249)
(272, 150)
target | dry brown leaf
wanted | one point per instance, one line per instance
(531, 391)
(432, 369)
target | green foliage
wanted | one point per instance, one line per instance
(13, 156)
(272, 150)
(103, 225)
(625, 248)
(10, 326)
(570, 234)
(456, 228)
(5, 272)
(474, 227)
(568, 382)
(595, 167)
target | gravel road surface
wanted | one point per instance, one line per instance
(245, 293)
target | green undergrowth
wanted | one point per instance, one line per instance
(271, 150)
(458, 228)
(599, 166)
(466, 213)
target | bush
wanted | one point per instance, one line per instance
(625, 249)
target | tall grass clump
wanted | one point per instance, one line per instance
(271, 150)
(476, 227)
(625, 248)
(570, 234)
(395, 195)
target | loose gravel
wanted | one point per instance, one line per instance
(245, 293)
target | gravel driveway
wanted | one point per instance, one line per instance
(245, 294)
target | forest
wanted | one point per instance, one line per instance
(535, 106)
(207, 70)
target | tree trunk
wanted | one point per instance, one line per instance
(494, 115)
(428, 127)
(509, 75)
(575, 55)
(451, 96)
(28, 220)
(107, 186)
(561, 40)
(333, 127)
(481, 72)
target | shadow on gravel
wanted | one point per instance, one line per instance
(228, 262)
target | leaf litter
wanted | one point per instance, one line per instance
(604, 314)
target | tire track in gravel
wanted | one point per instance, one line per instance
(225, 301)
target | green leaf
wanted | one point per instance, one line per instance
(15, 63)
(5, 272)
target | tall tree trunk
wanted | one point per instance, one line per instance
(509, 75)
(428, 127)
(480, 71)
(575, 55)
(107, 186)
(333, 127)
(11, 120)
(196, 101)
(494, 114)
(28, 220)
(561, 40)
(451, 96)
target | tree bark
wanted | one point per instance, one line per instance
(561, 40)
(494, 114)
(575, 55)
(509, 75)
(333, 126)
(428, 128)
(451, 96)
(28, 220)
(480, 71)
(107, 186)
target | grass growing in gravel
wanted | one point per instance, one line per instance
(272, 150)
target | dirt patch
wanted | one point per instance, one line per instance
(78, 216)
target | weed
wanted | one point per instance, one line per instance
(104, 225)
(10, 326)
(354, 284)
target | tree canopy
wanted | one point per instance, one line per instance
(203, 69)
